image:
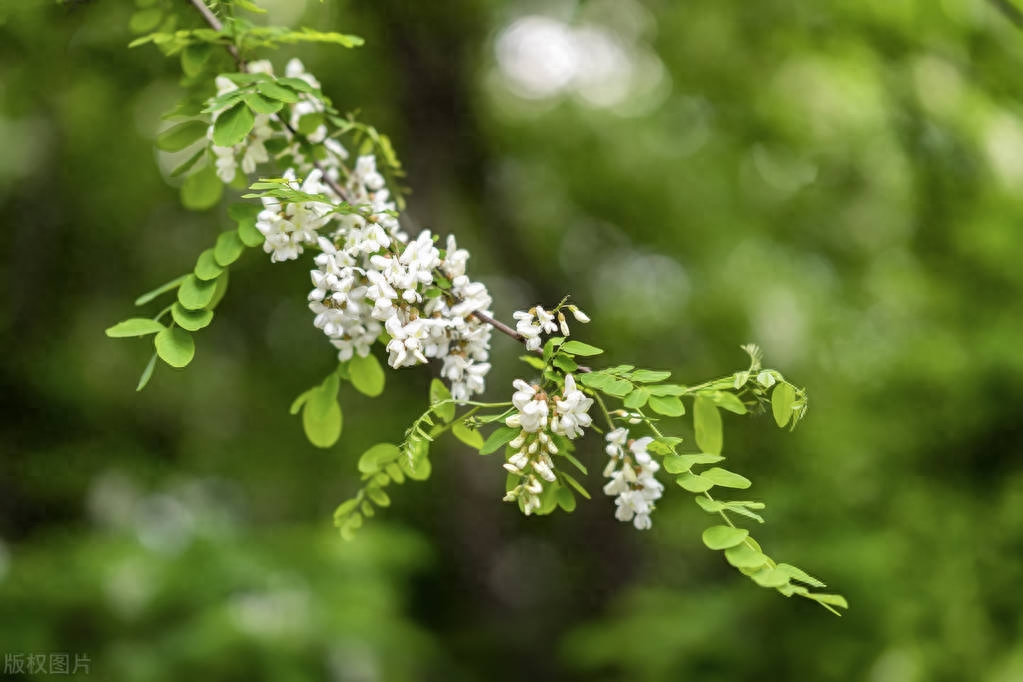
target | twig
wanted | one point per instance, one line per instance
(216, 25)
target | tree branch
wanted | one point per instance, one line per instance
(215, 23)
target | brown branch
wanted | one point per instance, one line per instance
(215, 23)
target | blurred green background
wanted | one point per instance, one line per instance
(839, 182)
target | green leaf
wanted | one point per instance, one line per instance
(580, 348)
(498, 439)
(565, 363)
(694, 483)
(379, 497)
(297, 404)
(726, 479)
(440, 393)
(470, 437)
(233, 125)
(321, 415)
(145, 20)
(201, 190)
(707, 421)
(220, 291)
(206, 266)
(650, 376)
(637, 399)
(135, 326)
(782, 399)
(669, 406)
(770, 577)
(147, 373)
(800, 575)
(194, 57)
(829, 599)
(730, 402)
(262, 105)
(308, 124)
(175, 346)
(575, 484)
(723, 537)
(187, 165)
(366, 375)
(744, 556)
(277, 92)
(228, 249)
(191, 320)
(597, 380)
(533, 361)
(182, 135)
(346, 508)
(663, 445)
(679, 464)
(418, 469)
(246, 215)
(195, 293)
(666, 389)
(160, 290)
(565, 498)
(377, 457)
(617, 387)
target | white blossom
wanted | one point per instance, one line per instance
(571, 411)
(633, 482)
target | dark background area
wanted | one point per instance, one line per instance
(838, 182)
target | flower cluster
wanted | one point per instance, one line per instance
(536, 321)
(633, 482)
(371, 281)
(540, 418)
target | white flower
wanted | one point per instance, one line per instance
(571, 410)
(534, 322)
(634, 484)
(532, 408)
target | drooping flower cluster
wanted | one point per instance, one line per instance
(633, 482)
(371, 281)
(531, 324)
(540, 417)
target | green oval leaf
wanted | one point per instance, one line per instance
(744, 556)
(206, 266)
(277, 92)
(679, 464)
(233, 125)
(470, 437)
(498, 439)
(175, 346)
(707, 422)
(580, 348)
(178, 137)
(723, 537)
(195, 294)
(262, 105)
(367, 375)
(669, 406)
(135, 326)
(191, 320)
(438, 394)
(378, 456)
(726, 479)
(202, 189)
(694, 483)
(321, 418)
(228, 249)
(782, 399)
